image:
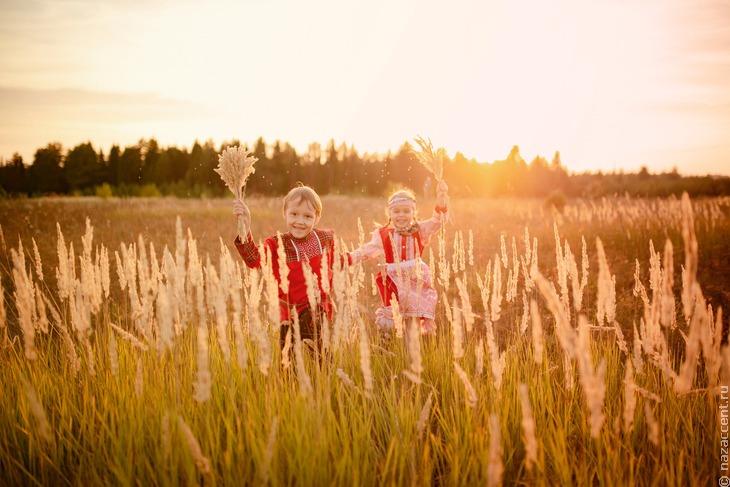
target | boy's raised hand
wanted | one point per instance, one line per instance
(241, 210)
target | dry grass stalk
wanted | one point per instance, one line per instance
(690, 286)
(578, 296)
(455, 252)
(41, 315)
(202, 462)
(68, 341)
(305, 383)
(471, 393)
(104, 271)
(422, 423)
(164, 318)
(235, 165)
(561, 256)
(629, 399)
(24, 301)
(457, 332)
(129, 337)
(397, 316)
(606, 300)
(196, 284)
(414, 378)
(668, 309)
(496, 360)
(64, 271)
(203, 381)
(89, 357)
(37, 259)
(514, 274)
(217, 292)
(711, 348)
(443, 266)
(479, 358)
(524, 321)
(528, 428)
(496, 466)
(270, 448)
(432, 160)
(347, 380)
(139, 379)
(699, 322)
(3, 313)
(367, 371)
(496, 300)
(565, 333)
(503, 251)
(537, 335)
(283, 268)
(258, 330)
(166, 435)
(44, 429)
(637, 357)
(113, 355)
(592, 381)
(639, 289)
(652, 425)
(310, 278)
(414, 346)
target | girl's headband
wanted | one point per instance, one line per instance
(401, 202)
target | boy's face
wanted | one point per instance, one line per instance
(401, 216)
(300, 218)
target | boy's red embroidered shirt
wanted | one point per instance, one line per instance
(296, 250)
(312, 248)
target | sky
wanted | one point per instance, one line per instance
(611, 84)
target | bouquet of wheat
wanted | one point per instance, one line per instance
(235, 165)
(432, 160)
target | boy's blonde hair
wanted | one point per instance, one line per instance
(303, 193)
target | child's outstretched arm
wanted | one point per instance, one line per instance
(247, 248)
(440, 213)
(368, 250)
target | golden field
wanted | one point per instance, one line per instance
(593, 352)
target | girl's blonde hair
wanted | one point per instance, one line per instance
(303, 193)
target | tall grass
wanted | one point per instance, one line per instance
(161, 366)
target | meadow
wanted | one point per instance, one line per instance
(578, 347)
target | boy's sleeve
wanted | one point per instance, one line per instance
(249, 251)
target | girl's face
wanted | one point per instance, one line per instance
(300, 218)
(401, 216)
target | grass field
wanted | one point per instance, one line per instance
(594, 353)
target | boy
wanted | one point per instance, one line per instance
(302, 242)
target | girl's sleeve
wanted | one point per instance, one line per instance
(368, 250)
(249, 251)
(428, 227)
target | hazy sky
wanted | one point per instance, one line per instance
(608, 83)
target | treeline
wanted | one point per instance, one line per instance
(146, 169)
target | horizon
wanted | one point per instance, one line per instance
(250, 145)
(613, 86)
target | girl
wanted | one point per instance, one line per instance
(402, 241)
(302, 242)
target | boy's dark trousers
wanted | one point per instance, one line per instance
(310, 328)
